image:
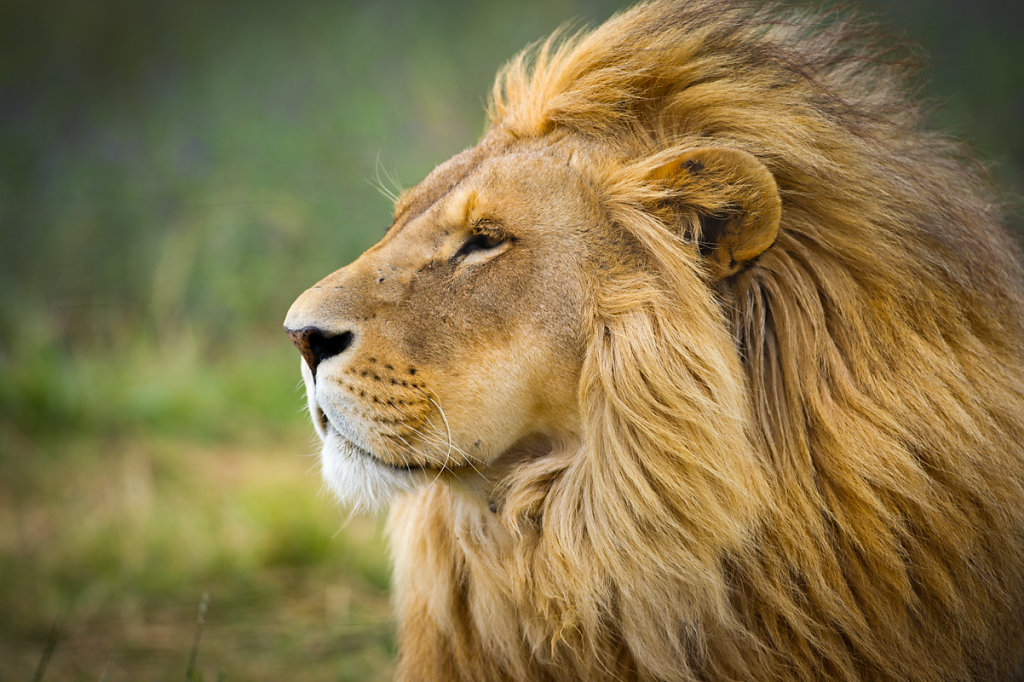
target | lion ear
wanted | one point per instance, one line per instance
(736, 199)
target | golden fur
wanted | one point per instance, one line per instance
(710, 442)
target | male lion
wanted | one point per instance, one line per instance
(706, 362)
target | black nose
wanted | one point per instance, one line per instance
(316, 345)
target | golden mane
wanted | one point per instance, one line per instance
(842, 498)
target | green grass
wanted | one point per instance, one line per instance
(169, 385)
(115, 540)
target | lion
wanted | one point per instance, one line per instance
(706, 362)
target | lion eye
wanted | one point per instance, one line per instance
(481, 241)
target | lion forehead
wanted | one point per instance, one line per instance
(531, 184)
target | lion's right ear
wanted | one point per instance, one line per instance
(735, 197)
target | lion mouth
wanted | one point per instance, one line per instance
(329, 429)
(321, 419)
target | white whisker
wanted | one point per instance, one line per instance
(390, 193)
(448, 433)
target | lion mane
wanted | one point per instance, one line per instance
(816, 471)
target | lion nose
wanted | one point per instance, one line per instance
(316, 345)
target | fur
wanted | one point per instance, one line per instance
(812, 468)
(843, 499)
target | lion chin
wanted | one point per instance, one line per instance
(358, 479)
(704, 363)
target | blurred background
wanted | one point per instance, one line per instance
(172, 175)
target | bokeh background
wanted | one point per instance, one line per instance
(172, 175)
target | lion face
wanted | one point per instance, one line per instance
(455, 342)
(453, 347)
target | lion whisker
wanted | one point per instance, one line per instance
(412, 450)
(391, 194)
(408, 446)
(451, 446)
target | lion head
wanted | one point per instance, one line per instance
(706, 361)
(455, 346)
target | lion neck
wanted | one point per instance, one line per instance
(484, 486)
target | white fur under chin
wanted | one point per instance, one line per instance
(357, 480)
